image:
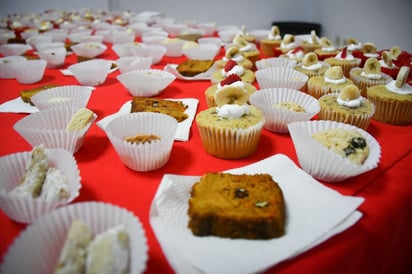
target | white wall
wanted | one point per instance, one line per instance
(384, 22)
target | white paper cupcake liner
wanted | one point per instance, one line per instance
(155, 51)
(48, 127)
(275, 62)
(30, 71)
(55, 57)
(41, 243)
(280, 77)
(146, 82)
(92, 72)
(14, 49)
(325, 164)
(131, 63)
(7, 64)
(77, 96)
(276, 119)
(89, 49)
(173, 49)
(52, 45)
(202, 52)
(148, 156)
(26, 209)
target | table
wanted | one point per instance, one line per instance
(380, 242)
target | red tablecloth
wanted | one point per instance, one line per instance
(380, 242)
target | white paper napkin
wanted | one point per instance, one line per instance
(314, 214)
(183, 128)
(17, 106)
(201, 76)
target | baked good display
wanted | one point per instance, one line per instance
(176, 109)
(346, 60)
(369, 75)
(26, 94)
(349, 143)
(41, 180)
(271, 42)
(232, 67)
(231, 80)
(311, 66)
(393, 101)
(83, 252)
(80, 119)
(233, 53)
(237, 206)
(348, 107)
(142, 139)
(190, 68)
(326, 50)
(332, 81)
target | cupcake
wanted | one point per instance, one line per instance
(311, 66)
(344, 59)
(369, 75)
(294, 54)
(326, 49)
(230, 80)
(232, 129)
(332, 81)
(233, 53)
(353, 44)
(247, 49)
(287, 44)
(387, 65)
(347, 107)
(393, 101)
(368, 50)
(269, 44)
(232, 67)
(312, 43)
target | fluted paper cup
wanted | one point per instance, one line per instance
(91, 73)
(48, 127)
(30, 71)
(77, 96)
(324, 164)
(55, 57)
(52, 45)
(89, 49)
(41, 243)
(7, 64)
(280, 77)
(275, 62)
(146, 82)
(130, 63)
(150, 50)
(14, 49)
(147, 156)
(201, 52)
(277, 119)
(173, 47)
(26, 209)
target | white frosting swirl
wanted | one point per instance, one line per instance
(383, 64)
(329, 49)
(371, 55)
(238, 58)
(335, 81)
(274, 37)
(354, 103)
(247, 48)
(352, 47)
(238, 70)
(298, 54)
(349, 56)
(289, 46)
(234, 84)
(232, 111)
(316, 66)
(404, 90)
(374, 76)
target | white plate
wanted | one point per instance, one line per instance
(183, 128)
(201, 76)
(314, 214)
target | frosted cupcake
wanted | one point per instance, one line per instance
(232, 67)
(368, 50)
(311, 66)
(271, 42)
(346, 60)
(333, 81)
(232, 129)
(369, 75)
(387, 64)
(233, 53)
(231, 80)
(347, 107)
(393, 101)
(326, 49)
(247, 49)
(312, 43)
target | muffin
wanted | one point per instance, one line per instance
(347, 107)
(344, 59)
(231, 80)
(331, 82)
(312, 43)
(233, 53)
(273, 40)
(326, 49)
(369, 75)
(232, 129)
(232, 67)
(393, 101)
(311, 66)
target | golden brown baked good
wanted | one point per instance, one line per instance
(141, 139)
(28, 93)
(175, 109)
(190, 68)
(80, 119)
(237, 206)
